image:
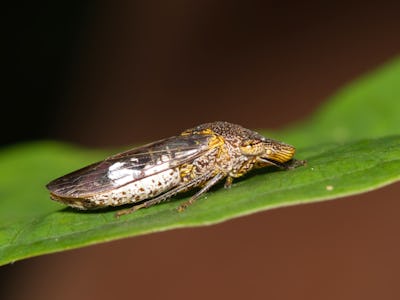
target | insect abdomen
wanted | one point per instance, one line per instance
(136, 191)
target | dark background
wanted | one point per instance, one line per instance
(114, 73)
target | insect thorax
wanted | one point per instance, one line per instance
(224, 156)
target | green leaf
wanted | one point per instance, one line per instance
(352, 145)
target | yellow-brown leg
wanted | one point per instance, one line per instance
(228, 182)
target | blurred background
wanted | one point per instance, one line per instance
(116, 73)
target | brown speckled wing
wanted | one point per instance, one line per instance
(129, 166)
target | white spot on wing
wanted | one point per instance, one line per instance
(115, 166)
(155, 169)
(164, 158)
(120, 175)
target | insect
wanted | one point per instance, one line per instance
(198, 157)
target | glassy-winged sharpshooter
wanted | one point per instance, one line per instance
(147, 175)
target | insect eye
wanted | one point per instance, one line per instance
(249, 143)
(250, 147)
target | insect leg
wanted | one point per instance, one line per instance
(228, 182)
(204, 189)
(164, 196)
(294, 163)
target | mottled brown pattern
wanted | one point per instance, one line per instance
(199, 157)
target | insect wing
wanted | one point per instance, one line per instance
(130, 166)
